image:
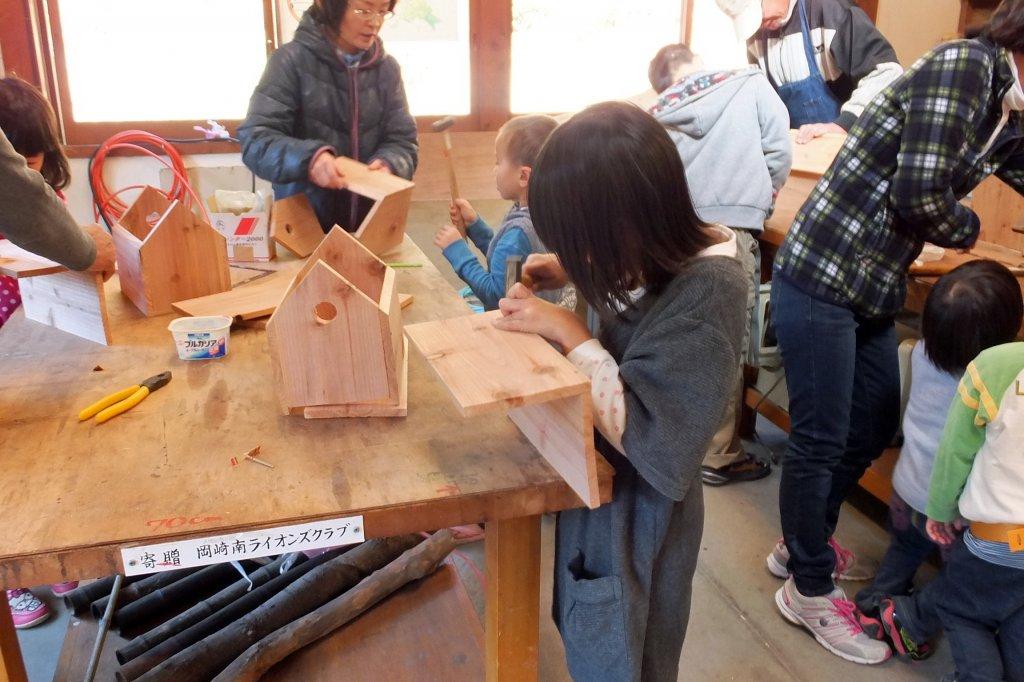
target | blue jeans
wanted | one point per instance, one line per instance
(909, 547)
(842, 371)
(981, 606)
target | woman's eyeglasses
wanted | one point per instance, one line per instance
(369, 14)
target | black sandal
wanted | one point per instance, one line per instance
(748, 469)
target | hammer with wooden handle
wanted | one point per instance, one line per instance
(442, 126)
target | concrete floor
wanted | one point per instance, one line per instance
(735, 631)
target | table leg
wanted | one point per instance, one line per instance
(12, 668)
(512, 549)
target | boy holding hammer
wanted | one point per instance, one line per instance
(516, 149)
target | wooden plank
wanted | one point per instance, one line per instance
(375, 185)
(327, 342)
(753, 399)
(814, 158)
(877, 480)
(562, 430)
(384, 227)
(429, 470)
(259, 298)
(489, 370)
(12, 668)
(73, 302)
(19, 263)
(512, 555)
(129, 264)
(405, 300)
(1001, 211)
(294, 225)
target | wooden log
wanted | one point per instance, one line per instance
(179, 623)
(140, 589)
(214, 622)
(188, 590)
(414, 564)
(205, 659)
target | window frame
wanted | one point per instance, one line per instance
(490, 57)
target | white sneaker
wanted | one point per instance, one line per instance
(847, 567)
(832, 621)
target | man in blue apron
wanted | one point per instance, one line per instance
(824, 57)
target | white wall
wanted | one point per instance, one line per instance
(916, 26)
(207, 172)
(714, 38)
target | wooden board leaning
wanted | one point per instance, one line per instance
(488, 370)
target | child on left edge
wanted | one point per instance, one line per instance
(28, 121)
(516, 149)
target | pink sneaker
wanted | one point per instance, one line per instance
(60, 589)
(847, 566)
(26, 610)
(833, 622)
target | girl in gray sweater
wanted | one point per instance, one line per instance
(609, 198)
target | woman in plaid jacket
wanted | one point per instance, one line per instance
(922, 144)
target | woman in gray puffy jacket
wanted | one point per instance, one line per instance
(332, 91)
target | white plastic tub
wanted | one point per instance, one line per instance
(201, 338)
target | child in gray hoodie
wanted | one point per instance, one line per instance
(732, 133)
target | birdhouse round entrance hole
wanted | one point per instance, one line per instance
(325, 312)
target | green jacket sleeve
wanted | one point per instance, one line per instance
(961, 439)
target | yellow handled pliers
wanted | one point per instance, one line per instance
(122, 401)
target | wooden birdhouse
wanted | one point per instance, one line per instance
(166, 254)
(294, 224)
(336, 339)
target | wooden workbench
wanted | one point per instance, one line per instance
(74, 494)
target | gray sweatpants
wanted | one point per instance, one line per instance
(623, 576)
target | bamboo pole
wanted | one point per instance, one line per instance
(188, 590)
(148, 640)
(141, 588)
(205, 659)
(414, 564)
(78, 600)
(104, 627)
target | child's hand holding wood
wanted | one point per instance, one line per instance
(521, 311)
(446, 236)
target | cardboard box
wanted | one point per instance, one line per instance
(248, 236)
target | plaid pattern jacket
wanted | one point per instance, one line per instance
(898, 180)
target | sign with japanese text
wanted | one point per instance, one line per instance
(169, 556)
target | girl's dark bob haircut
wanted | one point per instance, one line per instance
(329, 13)
(608, 196)
(28, 121)
(972, 307)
